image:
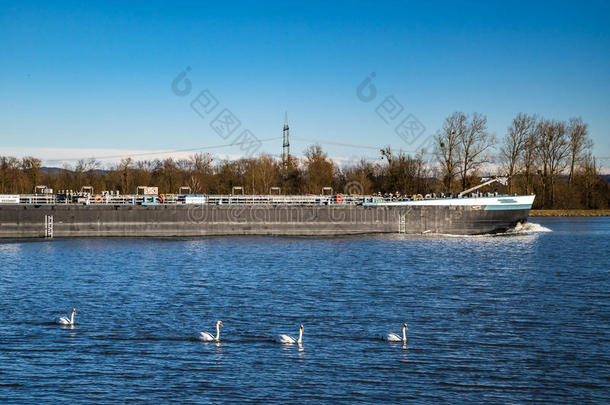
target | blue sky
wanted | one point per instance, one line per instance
(97, 75)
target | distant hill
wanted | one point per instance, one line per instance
(54, 170)
(59, 170)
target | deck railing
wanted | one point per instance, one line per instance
(214, 199)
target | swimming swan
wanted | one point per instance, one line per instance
(289, 340)
(65, 321)
(393, 337)
(207, 337)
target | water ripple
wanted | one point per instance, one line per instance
(510, 319)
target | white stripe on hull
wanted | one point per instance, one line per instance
(504, 201)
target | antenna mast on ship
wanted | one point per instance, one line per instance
(286, 143)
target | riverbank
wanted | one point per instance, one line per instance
(569, 213)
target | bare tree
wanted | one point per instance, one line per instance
(32, 168)
(202, 162)
(473, 143)
(590, 176)
(125, 169)
(292, 176)
(358, 177)
(262, 173)
(447, 146)
(201, 171)
(319, 169)
(515, 144)
(10, 175)
(579, 143)
(403, 173)
(553, 149)
(528, 160)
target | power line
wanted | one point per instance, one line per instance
(349, 145)
(357, 146)
(157, 152)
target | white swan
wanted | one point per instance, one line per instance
(289, 340)
(393, 337)
(207, 337)
(65, 321)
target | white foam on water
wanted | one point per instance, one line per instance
(528, 227)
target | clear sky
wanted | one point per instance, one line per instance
(83, 76)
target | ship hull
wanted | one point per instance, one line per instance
(30, 221)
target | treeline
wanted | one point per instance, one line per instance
(549, 158)
(257, 175)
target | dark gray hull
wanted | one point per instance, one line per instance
(28, 221)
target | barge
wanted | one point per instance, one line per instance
(111, 214)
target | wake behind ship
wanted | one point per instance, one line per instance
(110, 214)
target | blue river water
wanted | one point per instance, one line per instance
(501, 319)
